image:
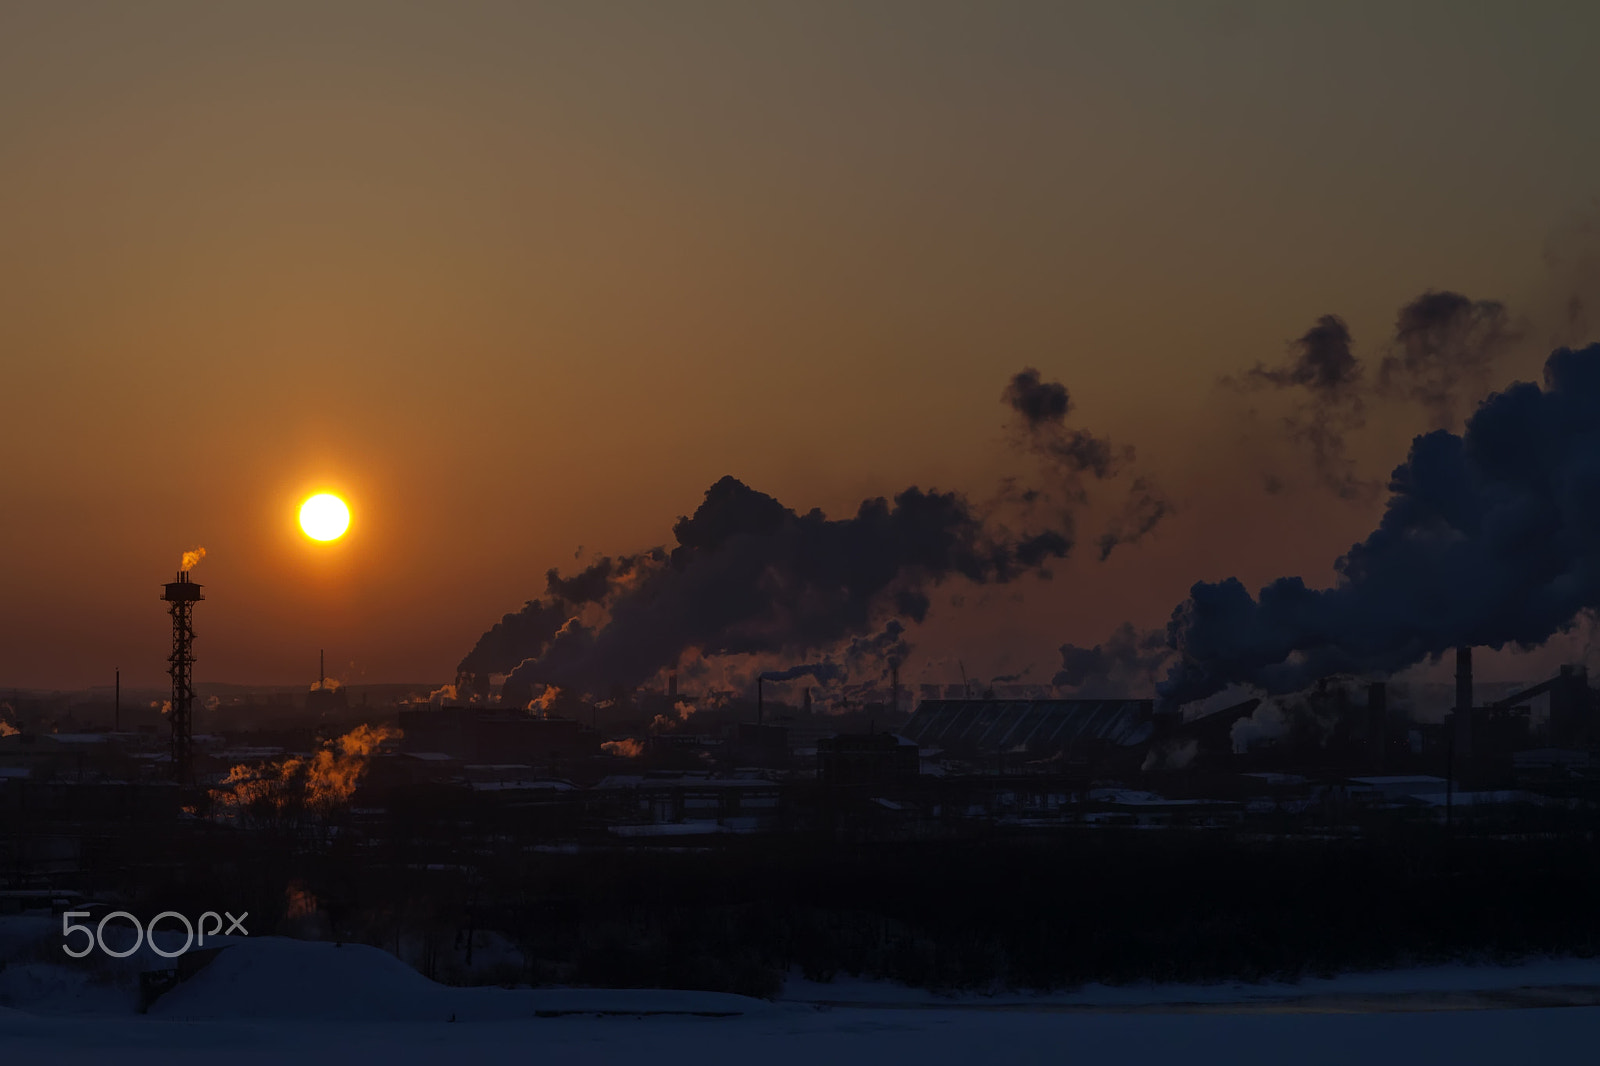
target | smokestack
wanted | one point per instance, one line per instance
(894, 686)
(116, 706)
(1462, 725)
(322, 667)
(672, 686)
(1377, 724)
(808, 700)
(760, 698)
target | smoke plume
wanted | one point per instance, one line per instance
(516, 637)
(823, 672)
(1324, 372)
(1488, 538)
(1441, 355)
(1043, 407)
(1075, 454)
(751, 576)
(1445, 348)
(1142, 510)
(1129, 658)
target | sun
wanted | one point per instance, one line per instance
(324, 517)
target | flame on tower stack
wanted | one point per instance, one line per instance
(181, 596)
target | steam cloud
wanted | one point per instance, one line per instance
(1489, 538)
(297, 785)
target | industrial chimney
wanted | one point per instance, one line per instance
(1463, 708)
(182, 595)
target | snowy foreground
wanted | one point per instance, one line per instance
(267, 999)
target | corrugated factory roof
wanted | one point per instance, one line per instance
(1035, 726)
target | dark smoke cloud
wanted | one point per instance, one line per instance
(1445, 348)
(1074, 454)
(1038, 402)
(1572, 264)
(1324, 371)
(1489, 538)
(1322, 361)
(1044, 406)
(1442, 354)
(516, 637)
(823, 672)
(1129, 658)
(1142, 510)
(525, 634)
(885, 648)
(750, 576)
(587, 586)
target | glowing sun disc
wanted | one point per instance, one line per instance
(324, 517)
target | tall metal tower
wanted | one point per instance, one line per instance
(182, 595)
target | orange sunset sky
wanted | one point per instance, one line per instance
(516, 279)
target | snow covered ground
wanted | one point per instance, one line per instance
(269, 999)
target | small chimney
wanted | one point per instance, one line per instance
(672, 686)
(1463, 709)
(760, 698)
(894, 685)
(808, 700)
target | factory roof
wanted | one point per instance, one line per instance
(1037, 726)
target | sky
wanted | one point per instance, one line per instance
(521, 281)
